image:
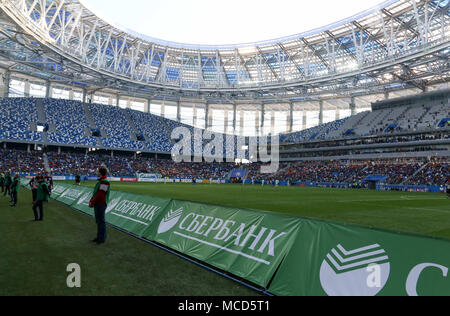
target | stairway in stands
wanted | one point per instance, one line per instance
(132, 125)
(46, 163)
(41, 118)
(40, 111)
(416, 173)
(92, 124)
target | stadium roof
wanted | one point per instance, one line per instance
(396, 45)
(228, 18)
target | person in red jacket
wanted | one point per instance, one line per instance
(99, 202)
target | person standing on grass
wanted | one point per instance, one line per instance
(33, 186)
(49, 180)
(2, 181)
(42, 196)
(8, 182)
(77, 180)
(99, 202)
(15, 187)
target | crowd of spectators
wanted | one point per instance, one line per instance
(372, 140)
(21, 161)
(396, 171)
(435, 173)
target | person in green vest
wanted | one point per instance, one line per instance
(8, 182)
(99, 202)
(42, 196)
(2, 181)
(15, 187)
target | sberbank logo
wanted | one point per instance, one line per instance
(360, 272)
(170, 220)
(83, 199)
(58, 189)
(112, 205)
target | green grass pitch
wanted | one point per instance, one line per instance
(34, 256)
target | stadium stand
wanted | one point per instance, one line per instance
(16, 160)
(17, 116)
(382, 131)
(156, 129)
(112, 120)
(428, 172)
(70, 123)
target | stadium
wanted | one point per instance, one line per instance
(353, 115)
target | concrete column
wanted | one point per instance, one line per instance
(147, 106)
(7, 82)
(71, 94)
(291, 117)
(207, 124)
(261, 126)
(84, 95)
(27, 88)
(386, 95)
(48, 90)
(194, 119)
(321, 112)
(304, 119)
(241, 123)
(178, 111)
(117, 100)
(272, 123)
(234, 117)
(353, 106)
(163, 109)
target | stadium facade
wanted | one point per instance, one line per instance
(62, 49)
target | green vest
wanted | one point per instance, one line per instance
(15, 185)
(8, 180)
(97, 187)
(41, 194)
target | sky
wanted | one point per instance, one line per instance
(213, 22)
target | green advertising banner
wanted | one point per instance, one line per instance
(72, 194)
(249, 244)
(337, 260)
(24, 182)
(82, 203)
(59, 189)
(135, 213)
(290, 256)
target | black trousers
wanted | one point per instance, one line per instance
(38, 205)
(3, 187)
(100, 211)
(34, 193)
(7, 190)
(14, 197)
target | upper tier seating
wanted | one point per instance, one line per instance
(70, 123)
(113, 121)
(16, 118)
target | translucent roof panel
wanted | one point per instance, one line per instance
(205, 22)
